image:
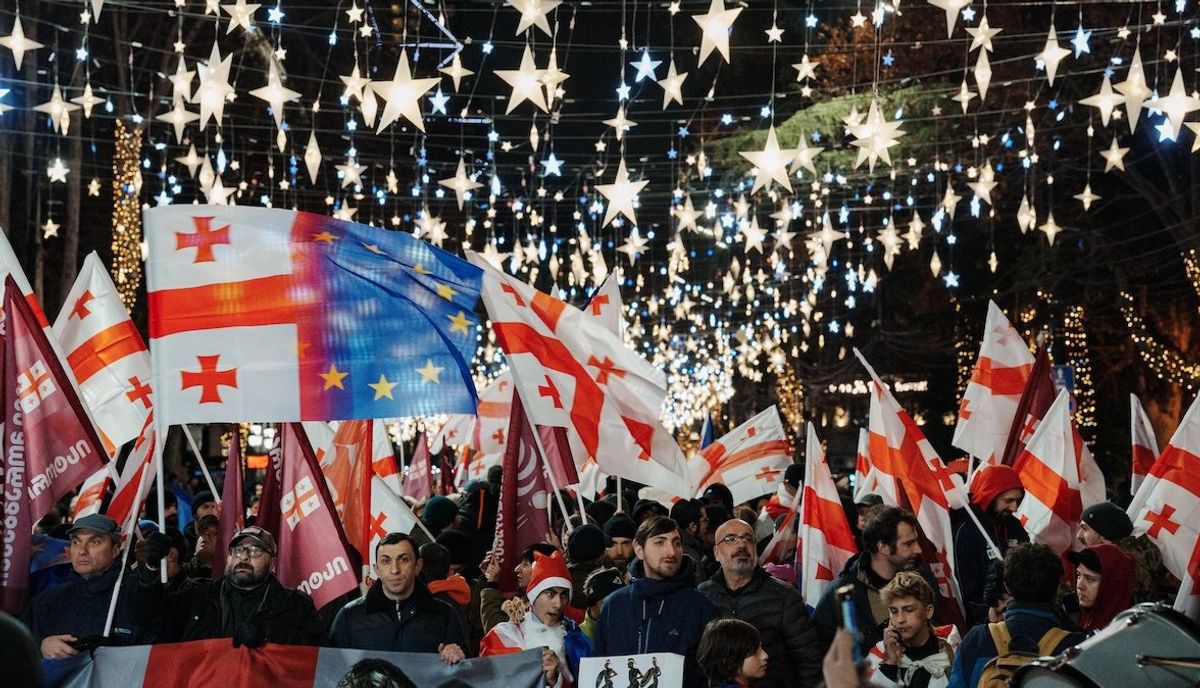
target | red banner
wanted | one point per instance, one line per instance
(521, 519)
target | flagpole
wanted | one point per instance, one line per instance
(212, 487)
(112, 603)
(618, 493)
(160, 442)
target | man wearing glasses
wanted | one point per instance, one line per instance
(247, 604)
(742, 590)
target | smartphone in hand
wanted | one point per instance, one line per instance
(849, 619)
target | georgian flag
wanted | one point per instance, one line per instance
(1049, 471)
(989, 404)
(866, 480)
(826, 541)
(1145, 447)
(750, 460)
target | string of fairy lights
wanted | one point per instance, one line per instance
(127, 212)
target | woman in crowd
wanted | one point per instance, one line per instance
(1104, 580)
(731, 654)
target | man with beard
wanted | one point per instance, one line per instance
(913, 653)
(996, 492)
(399, 614)
(890, 545)
(247, 604)
(620, 530)
(660, 610)
(742, 590)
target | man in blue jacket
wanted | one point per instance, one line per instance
(1031, 574)
(661, 610)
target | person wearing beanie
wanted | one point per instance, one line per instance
(1103, 586)
(645, 509)
(438, 514)
(544, 626)
(586, 545)
(203, 504)
(1103, 522)
(1107, 522)
(599, 512)
(457, 548)
(718, 494)
(996, 492)
(599, 585)
(619, 530)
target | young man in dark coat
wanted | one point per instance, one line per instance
(661, 610)
(398, 613)
(996, 492)
(742, 590)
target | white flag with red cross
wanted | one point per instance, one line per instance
(985, 414)
(107, 355)
(388, 514)
(136, 478)
(913, 476)
(573, 373)
(457, 431)
(91, 494)
(1167, 509)
(866, 481)
(383, 457)
(750, 460)
(492, 414)
(826, 541)
(605, 305)
(1144, 445)
(1049, 471)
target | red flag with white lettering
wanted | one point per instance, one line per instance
(418, 482)
(296, 507)
(749, 460)
(522, 518)
(826, 541)
(1145, 446)
(1049, 471)
(49, 445)
(1167, 509)
(233, 513)
(989, 403)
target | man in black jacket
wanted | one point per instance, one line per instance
(399, 614)
(247, 604)
(996, 492)
(744, 591)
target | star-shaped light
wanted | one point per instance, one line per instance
(1080, 41)
(240, 14)
(915, 228)
(1114, 156)
(805, 68)
(533, 13)
(217, 194)
(827, 235)
(59, 111)
(401, 94)
(715, 29)
(191, 160)
(634, 246)
(351, 172)
(1134, 89)
(620, 123)
(312, 156)
(950, 200)
(181, 81)
(433, 227)
(460, 183)
(621, 195)
(179, 117)
(983, 73)
(774, 34)
(50, 229)
(982, 35)
(1052, 53)
(646, 67)
(552, 166)
(874, 137)
(952, 9)
(87, 101)
(805, 154)
(57, 171)
(964, 95)
(771, 163)
(753, 236)
(1086, 197)
(355, 83)
(526, 83)
(437, 102)
(354, 15)
(672, 85)
(276, 94)
(18, 43)
(214, 86)
(93, 188)
(889, 238)
(552, 76)
(687, 215)
(1050, 227)
(456, 71)
(985, 183)
(1104, 101)
(1177, 104)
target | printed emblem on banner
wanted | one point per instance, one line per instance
(34, 386)
(299, 502)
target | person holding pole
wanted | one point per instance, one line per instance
(996, 492)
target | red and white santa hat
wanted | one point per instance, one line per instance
(548, 572)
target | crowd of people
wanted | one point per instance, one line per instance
(611, 582)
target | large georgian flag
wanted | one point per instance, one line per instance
(1167, 509)
(826, 541)
(1143, 444)
(573, 373)
(283, 316)
(749, 460)
(107, 355)
(986, 412)
(1049, 470)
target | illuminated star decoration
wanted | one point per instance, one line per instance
(687, 215)
(401, 94)
(552, 166)
(1086, 197)
(191, 160)
(59, 111)
(1051, 228)
(179, 117)
(355, 83)
(952, 9)
(805, 155)
(87, 101)
(1114, 157)
(276, 94)
(620, 123)
(526, 83)
(533, 13)
(57, 171)
(1104, 101)
(1052, 53)
(351, 172)
(1177, 104)
(50, 229)
(456, 71)
(240, 14)
(460, 183)
(805, 67)
(774, 34)
(646, 67)
(214, 86)
(1080, 42)
(1134, 89)
(672, 86)
(18, 43)
(771, 163)
(984, 184)
(874, 137)
(715, 29)
(621, 195)
(981, 36)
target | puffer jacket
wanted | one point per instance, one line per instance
(420, 624)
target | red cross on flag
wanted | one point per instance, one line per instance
(913, 476)
(457, 431)
(1167, 508)
(573, 373)
(495, 406)
(297, 509)
(605, 305)
(383, 457)
(418, 482)
(749, 460)
(826, 541)
(1145, 446)
(136, 479)
(987, 408)
(1049, 471)
(389, 514)
(91, 494)
(866, 479)
(106, 353)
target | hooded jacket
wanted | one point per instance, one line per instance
(420, 623)
(971, 559)
(1115, 593)
(777, 610)
(650, 615)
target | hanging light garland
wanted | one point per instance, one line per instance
(1077, 355)
(127, 213)
(1167, 364)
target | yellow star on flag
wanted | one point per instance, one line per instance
(373, 248)
(420, 270)
(334, 377)
(430, 372)
(446, 291)
(324, 236)
(383, 388)
(459, 323)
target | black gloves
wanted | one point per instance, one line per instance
(155, 547)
